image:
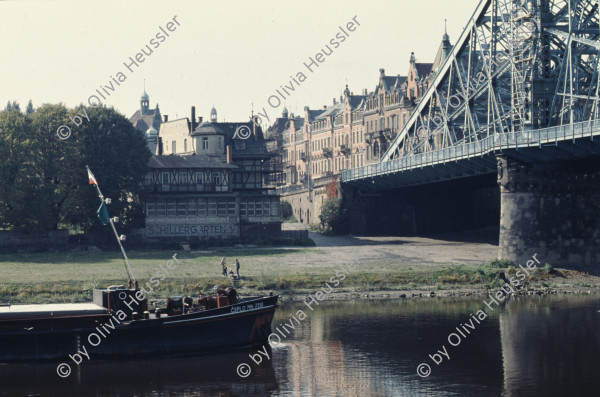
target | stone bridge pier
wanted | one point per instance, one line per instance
(552, 209)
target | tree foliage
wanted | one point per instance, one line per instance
(286, 210)
(29, 108)
(333, 215)
(43, 180)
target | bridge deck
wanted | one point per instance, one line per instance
(478, 158)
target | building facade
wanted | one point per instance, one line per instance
(210, 179)
(353, 131)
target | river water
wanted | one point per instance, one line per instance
(536, 346)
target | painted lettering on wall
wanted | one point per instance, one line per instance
(193, 230)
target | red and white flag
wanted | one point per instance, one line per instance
(92, 178)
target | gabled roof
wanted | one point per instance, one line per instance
(313, 114)
(298, 123)
(356, 101)
(442, 53)
(423, 69)
(393, 82)
(331, 111)
(179, 125)
(143, 122)
(208, 128)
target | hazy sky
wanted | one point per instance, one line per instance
(227, 53)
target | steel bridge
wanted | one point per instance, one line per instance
(518, 97)
(522, 80)
(578, 140)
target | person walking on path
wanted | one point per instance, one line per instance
(237, 267)
(223, 267)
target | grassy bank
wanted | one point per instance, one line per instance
(70, 277)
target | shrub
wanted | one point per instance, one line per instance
(287, 213)
(333, 215)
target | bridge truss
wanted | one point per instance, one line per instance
(518, 65)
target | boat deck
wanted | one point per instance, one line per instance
(52, 309)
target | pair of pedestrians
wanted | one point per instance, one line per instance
(224, 267)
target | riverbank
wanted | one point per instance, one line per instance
(386, 268)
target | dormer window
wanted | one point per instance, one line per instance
(204, 143)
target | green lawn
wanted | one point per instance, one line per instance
(70, 277)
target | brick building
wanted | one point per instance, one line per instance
(353, 131)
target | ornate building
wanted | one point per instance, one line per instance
(352, 132)
(210, 179)
(148, 121)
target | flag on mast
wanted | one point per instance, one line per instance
(92, 178)
(103, 214)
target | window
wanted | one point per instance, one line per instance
(164, 178)
(231, 207)
(181, 206)
(222, 207)
(212, 207)
(201, 207)
(148, 180)
(204, 143)
(182, 178)
(185, 145)
(191, 207)
(171, 208)
(243, 208)
(150, 209)
(216, 178)
(173, 147)
(220, 142)
(200, 178)
(161, 208)
(258, 208)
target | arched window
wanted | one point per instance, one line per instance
(376, 150)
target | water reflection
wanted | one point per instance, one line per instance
(184, 376)
(542, 346)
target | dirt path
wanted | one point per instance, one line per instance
(411, 251)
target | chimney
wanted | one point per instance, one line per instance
(334, 101)
(166, 118)
(324, 107)
(229, 155)
(193, 118)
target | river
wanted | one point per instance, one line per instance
(535, 346)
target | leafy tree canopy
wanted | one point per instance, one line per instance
(43, 180)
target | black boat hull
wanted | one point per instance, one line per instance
(239, 325)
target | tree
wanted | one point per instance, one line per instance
(29, 108)
(14, 105)
(37, 169)
(286, 210)
(117, 154)
(43, 180)
(13, 152)
(333, 215)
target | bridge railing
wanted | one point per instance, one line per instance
(493, 143)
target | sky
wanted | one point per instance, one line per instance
(232, 54)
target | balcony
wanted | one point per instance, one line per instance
(303, 156)
(327, 152)
(345, 149)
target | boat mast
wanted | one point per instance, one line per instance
(128, 269)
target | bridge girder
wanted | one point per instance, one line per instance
(518, 65)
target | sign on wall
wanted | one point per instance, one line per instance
(227, 230)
